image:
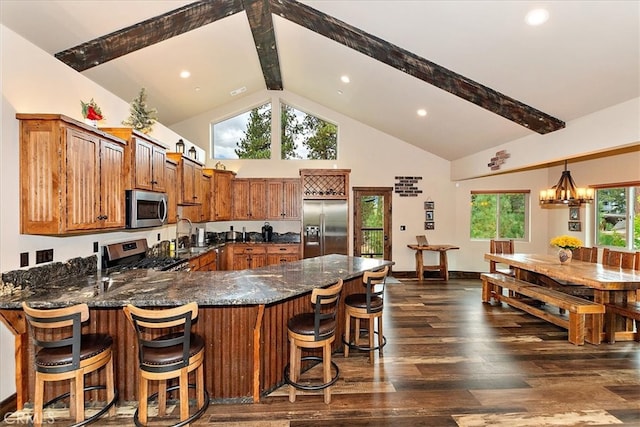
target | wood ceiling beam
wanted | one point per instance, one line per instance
(416, 66)
(264, 37)
(147, 33)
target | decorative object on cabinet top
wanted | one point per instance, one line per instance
(91, 112)
(142, 117)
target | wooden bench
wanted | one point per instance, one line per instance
(629, 310)
(585, 317)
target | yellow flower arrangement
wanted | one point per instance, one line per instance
(566, 242)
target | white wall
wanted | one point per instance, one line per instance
(615, 127)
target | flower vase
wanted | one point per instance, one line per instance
(565, 255)
(90, 122)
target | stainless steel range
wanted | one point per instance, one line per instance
(133, 254)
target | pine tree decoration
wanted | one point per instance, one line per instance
(142, 117)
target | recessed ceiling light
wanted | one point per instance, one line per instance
(537, 17)
(185, 74)
(345, 79)
(197, 89)
(339, 92)
(238, 91)
(422, 112)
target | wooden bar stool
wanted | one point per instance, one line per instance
(366, 306)
(166, 350)
(311, 331)
(59, 356)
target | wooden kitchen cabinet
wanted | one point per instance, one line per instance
(249, 199)
(201, 212)
(71, 177)
(144, 159)
(221, 205)
(189, 179)
(171, 174)
(282, 253)
(245, 256)
(205, 262)
(283, 199)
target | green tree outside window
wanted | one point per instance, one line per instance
(498, 215)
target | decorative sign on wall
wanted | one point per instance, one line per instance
(405, 186)
(499, 159)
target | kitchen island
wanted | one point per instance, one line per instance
(243, 318)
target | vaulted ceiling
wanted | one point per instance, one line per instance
(482, 74)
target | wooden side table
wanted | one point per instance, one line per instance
(443, 267)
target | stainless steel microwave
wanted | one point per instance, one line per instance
(145, 208)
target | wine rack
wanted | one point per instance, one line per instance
(325, 183)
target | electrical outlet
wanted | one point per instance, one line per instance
(95, 247)
(403, 228)
(45, 255)
(24, 259)
(158, 237)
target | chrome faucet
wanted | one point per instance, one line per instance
(183, 240)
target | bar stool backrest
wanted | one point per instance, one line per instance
(157, 329)
(325, 308)
(42, 321)
(375, 282)
(586, 254)
(619, 259)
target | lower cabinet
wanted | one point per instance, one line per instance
(243, 256)
(246, 256)
(204, 262)
(280, 254)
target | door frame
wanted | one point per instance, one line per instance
(358, 194)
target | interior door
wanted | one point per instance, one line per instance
(372, 222)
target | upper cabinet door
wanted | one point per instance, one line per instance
(83, 181)
(249, 199)
(158, 169)
(112, 207)
(144, 160)
(222, 205)
(283, 199)
(143, 166)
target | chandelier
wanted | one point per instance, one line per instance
(565, 192)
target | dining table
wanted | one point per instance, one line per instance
(609, 284)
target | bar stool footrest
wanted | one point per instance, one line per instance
(312, 387)
(94, 417)
(191, 418)
(354, 346)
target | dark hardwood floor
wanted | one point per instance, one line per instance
(453, 361)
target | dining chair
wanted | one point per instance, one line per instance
(585, 253)
(620, 259)
(501, 247)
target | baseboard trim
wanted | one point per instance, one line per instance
(452, 274)
(10, 404)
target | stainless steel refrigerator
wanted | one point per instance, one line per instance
(324, 227)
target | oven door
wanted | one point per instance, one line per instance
(145, 209)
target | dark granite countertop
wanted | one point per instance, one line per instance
(148, 288)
